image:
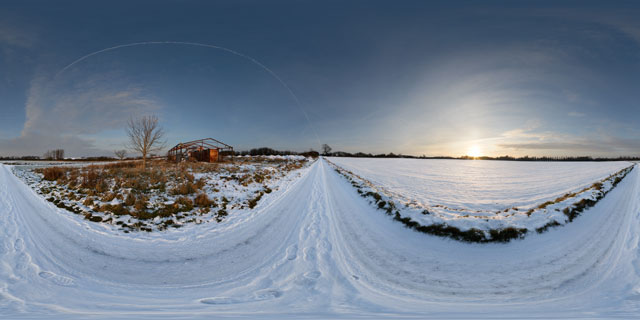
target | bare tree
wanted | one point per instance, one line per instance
(121, 154)
(145, 136)
(57, 154)
(326, 149)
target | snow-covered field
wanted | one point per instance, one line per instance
(475, 197)
(316, 248)
(478, 185)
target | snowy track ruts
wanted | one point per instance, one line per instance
(316, 248)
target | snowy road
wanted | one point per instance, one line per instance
(318, 249)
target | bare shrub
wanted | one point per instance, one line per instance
(121, 154)
(140, 204)
(90, 178)
(201, 183)
(184, 189)
(108, 197)
(101, 186)
(117, 209)
(53, 173)
(185, 202)
(202, 200)
(88, 202)
(130, 200)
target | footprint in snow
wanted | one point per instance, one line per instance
(57, 279)
(268, 294)
(18, 245)
(291, 252)
(220, 300)
(258, 296)
(313, 274)
(309, 254)
(304, 281)
(326, 245)
(23, 261)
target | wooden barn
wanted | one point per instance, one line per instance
(205, 150)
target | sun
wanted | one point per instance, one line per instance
(474, 151)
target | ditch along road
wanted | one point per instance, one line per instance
(314, 248)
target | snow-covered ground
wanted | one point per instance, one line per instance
(478, 185)
(317, 249)
(164, 197)
(414, 193)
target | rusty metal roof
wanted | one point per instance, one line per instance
(207, 143)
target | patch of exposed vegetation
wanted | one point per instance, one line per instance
(367, 190)
(164, 194)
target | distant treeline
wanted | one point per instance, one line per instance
(503, 158)
(38, 158)
(57, 154)
(253, 152)
(264, 151)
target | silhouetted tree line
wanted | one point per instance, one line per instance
(264, 151)
(503, 158)
(57, 154)
(21, 158)
(36, 158)
(101, 158)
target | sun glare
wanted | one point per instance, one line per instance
(474, 151)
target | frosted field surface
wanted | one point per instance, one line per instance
(478, 185)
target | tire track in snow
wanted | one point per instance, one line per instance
(303, 279)
(282, 279)
(411, 266)
(320, 248)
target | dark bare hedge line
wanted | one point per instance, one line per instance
(474, 235)
(577, 208)
(441, 230)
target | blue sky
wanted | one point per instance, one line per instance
(449, 78)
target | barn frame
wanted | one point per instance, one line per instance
(206, 150)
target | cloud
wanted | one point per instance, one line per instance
(565, 146)
(11, 35)
(66, 114)
(626, 23)
(606, 146)
(97, 104)
(576, 114)
(532, 139)
(35, 144)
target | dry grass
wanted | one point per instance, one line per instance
(202, 200)
(254, 201)
(52, 173)
(130, 200)
(184, 189)
(97, 186)
(88, 201)
(141, 203)
(108, 197)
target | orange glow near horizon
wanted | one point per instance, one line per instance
(474, 151)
